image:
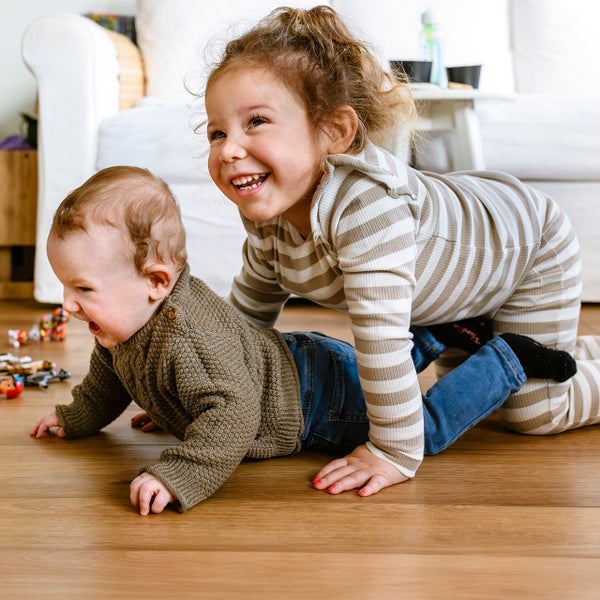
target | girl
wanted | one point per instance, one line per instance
(294, 108)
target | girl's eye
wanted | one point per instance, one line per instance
(215, 135)
(83, 290)
(256, 121)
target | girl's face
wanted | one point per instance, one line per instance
(101, 283)
(265, 155)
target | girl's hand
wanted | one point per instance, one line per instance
(46, 424)
(146, 492)
(359, 469)
(145, 422)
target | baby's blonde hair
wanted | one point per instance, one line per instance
(319, 60)
(135, 201)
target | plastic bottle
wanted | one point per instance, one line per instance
(432, 46)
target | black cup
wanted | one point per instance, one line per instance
(467, 74)
(417, 71)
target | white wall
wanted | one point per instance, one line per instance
(17, 86)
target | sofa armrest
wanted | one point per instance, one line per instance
(75, 63)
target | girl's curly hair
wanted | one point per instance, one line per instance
(325, 66)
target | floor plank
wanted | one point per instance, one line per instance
(497, 515)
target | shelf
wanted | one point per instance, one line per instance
(18, 216)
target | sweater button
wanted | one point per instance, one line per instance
(172, 313)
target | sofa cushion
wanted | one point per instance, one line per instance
(173, 37)
(581, 201)
(538, 136)
(155, 136)
(161, 138)
(531, 136)
(556, 46)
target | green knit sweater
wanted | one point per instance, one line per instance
(226, 389)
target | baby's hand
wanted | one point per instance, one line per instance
(147, 492)
(145, 422)
(46, 424)
(359, 469)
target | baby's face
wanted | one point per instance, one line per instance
(101, 283)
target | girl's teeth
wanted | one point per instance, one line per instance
(248, 183)
(249, 187)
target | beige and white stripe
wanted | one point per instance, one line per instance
(393, 246)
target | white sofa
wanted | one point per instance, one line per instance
(103, 102)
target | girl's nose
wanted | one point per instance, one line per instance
(232, 149)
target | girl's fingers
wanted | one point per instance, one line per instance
(332, 466)
(344, 477)
(374, 485)
(331, 473)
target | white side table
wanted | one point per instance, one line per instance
(442, 109)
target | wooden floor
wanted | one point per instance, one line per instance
(497, 515)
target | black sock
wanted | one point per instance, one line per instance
(541, 361)
(468, 334)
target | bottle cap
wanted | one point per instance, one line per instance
(431, 16)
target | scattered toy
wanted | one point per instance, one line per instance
(10, 364)
(11, 386)
(52, 327)
(43, 378)
(23, 371)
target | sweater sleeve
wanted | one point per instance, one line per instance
(256, 291)
(376, 252)
(224, 407)
(97, 401)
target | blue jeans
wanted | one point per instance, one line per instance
(333, 405)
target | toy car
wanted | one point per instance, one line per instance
(43, 378)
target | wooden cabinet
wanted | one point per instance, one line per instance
(18, 206)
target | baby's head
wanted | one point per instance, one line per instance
(134, 201)
(317, 58)
(117, 245)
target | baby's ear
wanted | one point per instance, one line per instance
(342, 126)
(160, 278)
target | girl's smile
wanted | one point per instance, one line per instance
(249, 182)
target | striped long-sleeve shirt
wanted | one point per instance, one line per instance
(394, 246)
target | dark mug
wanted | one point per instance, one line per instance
(417, 71)
(467, 74)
